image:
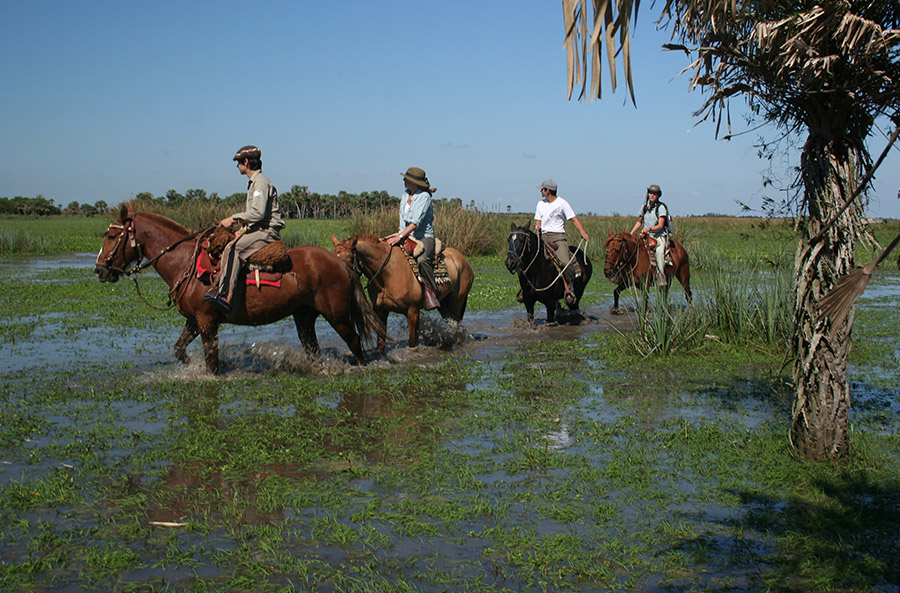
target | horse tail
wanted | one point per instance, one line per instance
(362, 315)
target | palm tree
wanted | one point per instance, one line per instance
(826, 70)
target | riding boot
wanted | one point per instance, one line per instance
(431, 301)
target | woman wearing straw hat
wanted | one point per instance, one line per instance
(417, 220)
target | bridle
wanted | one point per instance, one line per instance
(128, 231)
(624, 259)
(359, 269)
(518, 257)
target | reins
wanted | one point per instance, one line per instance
(625, 260)
(128, 229)
(172, 296)
(533, 259)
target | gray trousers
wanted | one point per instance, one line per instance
(235, 256)
(563, 253)
(425, 261)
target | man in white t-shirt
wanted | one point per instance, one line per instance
(550, 222)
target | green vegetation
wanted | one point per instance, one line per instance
(554, 459)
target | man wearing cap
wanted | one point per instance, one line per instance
(550, 222)
(653, 218)
(260, 225)
(417, 219)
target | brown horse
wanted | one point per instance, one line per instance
(318, 283)
(394, 287)
(628, 264)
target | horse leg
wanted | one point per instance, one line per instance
(551, 311)
(305, 320)
(382, 315)
(684, 276)
(412, 318)
(210, 335)
(187, 336)
(344, 327)
(529, 308)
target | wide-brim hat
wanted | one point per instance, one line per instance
(654, 189)
(247, 152)
(416, 176)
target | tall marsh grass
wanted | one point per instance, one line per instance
(736, 305)
(472, 232)
(16, 242)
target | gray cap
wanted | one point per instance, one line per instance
(548, 184)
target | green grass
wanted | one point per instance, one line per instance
(555, 464)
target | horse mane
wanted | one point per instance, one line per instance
(369, 237)
(167, 223)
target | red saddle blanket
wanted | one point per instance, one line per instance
(206, 268)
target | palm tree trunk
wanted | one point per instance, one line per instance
(820, 425)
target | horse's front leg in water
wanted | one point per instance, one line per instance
(305, 320)
(187, 336)
(210, 335)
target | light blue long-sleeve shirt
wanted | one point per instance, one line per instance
(419, 211)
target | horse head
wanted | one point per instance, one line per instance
(619, 255)
(119, 248)
(520, 245)
(346, 251)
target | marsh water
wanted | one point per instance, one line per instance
(558, 455)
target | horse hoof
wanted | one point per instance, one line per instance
(617, 311)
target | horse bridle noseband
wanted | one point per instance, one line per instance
(518, 256)
(623, 261)
(128, 230)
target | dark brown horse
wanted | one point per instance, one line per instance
(628, 264)
(318, 283)
(394, 287)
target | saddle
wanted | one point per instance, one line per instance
(651, 245)
(550, 254)
(412, 248)
(264, 267)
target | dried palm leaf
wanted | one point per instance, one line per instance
(837, 303)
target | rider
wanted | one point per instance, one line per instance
(653, 218)
(260, 225)
(417, 220)
(550, 216)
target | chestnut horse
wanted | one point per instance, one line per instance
(318, 283)
(628, 264)
(394, 287)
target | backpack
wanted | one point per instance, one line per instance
(670, 227)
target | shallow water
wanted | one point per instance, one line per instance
(489, 339)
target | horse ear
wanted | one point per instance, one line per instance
(513, 227)
(611, 232)
(123, 213)
(334, 240)
(353, 241)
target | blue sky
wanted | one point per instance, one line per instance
(102, 100)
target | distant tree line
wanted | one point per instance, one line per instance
(41, 206)
(297, 202)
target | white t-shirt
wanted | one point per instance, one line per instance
(553, 215)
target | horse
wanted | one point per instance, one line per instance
(317, 283)
(628, 264)
(539, 277)
(393, 287)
